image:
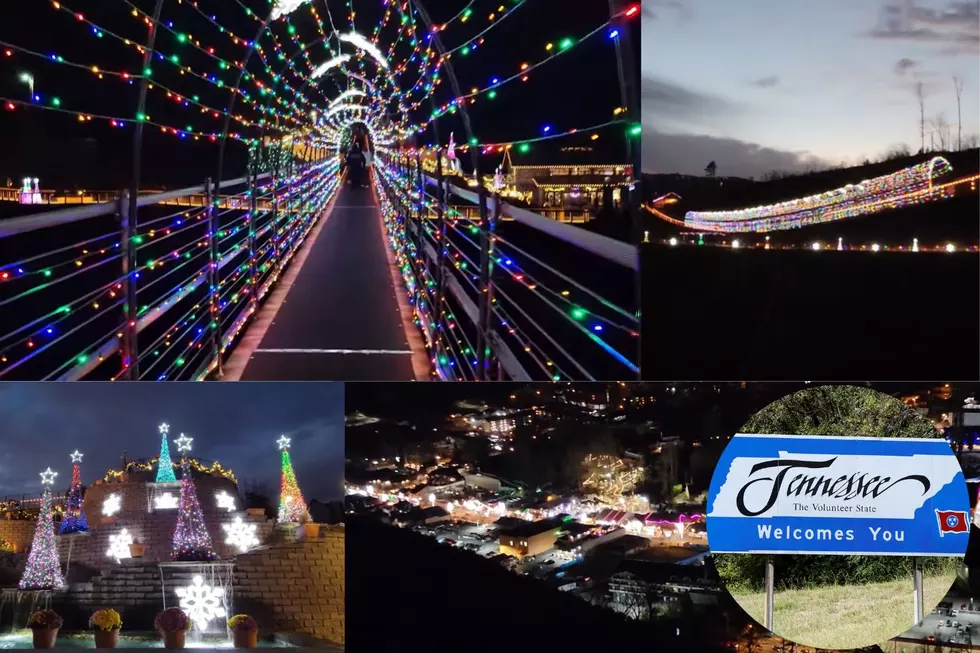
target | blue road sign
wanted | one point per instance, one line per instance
(838, 496)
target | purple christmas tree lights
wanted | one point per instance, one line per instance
(192, 543)
(43, 570)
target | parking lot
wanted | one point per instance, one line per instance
(961, 626)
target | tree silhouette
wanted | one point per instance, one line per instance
(711, 169)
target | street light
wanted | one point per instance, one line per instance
(28, 79)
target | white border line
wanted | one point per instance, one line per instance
(863, 438)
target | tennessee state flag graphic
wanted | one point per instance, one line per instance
(952, 521)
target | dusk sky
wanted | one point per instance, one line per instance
(235, 423)
(758, 85)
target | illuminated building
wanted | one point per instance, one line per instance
(566, 185)
(529, 539)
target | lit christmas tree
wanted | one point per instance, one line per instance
(43, 569)
(292, 507)
(74, 519)
(165, 467)
(191, 539)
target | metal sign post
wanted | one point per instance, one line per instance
(918, 607)
(770, 576)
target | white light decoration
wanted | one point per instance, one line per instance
(76, 457)
(183, 443)
(119, 545)
(950, 248)
(329, 64)
(915, 244)
(736, 244)
(284, 8)
(816, 246)
(673, 242)
(241, 534)
(225, 500)
(164, 429)
(165, 501)
(283, 442)
(47, 477)
(450, 507)
(202, 603)
(359, 41)
(875, 247)
(111, 505)
(354, 92)
(432, 499)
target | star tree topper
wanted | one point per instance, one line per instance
(183, 443)
(47, 477)
(283, 442)
(164, 429)
(77, 456)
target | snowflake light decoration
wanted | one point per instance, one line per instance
(111, 505)
(119, 545)
(241, 534)
(165, 501)
(202, 603)
(225, 500)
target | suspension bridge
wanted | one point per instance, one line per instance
(434, 270)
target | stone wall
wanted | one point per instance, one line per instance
(288, 587)
(298, 587)
(20, 533)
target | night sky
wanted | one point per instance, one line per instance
(236, 424)
(760, 85)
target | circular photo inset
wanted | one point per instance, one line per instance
(838, 517)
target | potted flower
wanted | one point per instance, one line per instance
(173, 624)
(106, 624)
(244, 630)
(256, 512)
(137, 549)
(45, 624)
(312, 530)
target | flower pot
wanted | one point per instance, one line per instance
(106, 638)
(312, 531)
(44, 637)
(246, 638)
(137, 550)
(256, 512)
(173, 639)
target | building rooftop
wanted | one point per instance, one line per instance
(530, 529)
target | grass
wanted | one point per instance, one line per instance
(845, 616)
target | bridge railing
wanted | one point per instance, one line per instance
(92, 292)
(530, 299)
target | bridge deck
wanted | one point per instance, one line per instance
(340, 319)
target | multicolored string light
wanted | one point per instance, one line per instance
(74, 520)
(192, 543)
(292, 506)
(907, 186)
(43, 570)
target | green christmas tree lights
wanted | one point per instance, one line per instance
(165, 467)
(292, 507)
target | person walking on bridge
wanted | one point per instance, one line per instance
(355, 165)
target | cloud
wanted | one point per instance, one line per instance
(689, 153)
(650, 8)
(664, 100)
(904, 65)
(957, 24)
(766, 82)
